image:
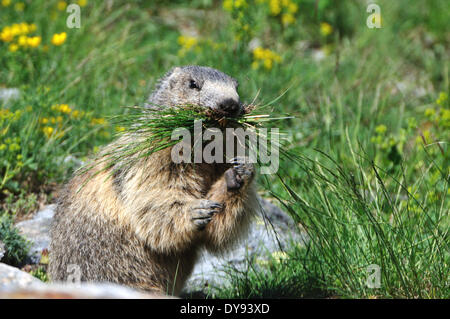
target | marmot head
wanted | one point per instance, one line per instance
(197, 85)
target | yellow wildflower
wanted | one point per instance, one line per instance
(279, 256)
(268, 64)
(19, 6)
(442, 98)
(6, 35)
(120, 128)
(265, 56)
(381, 129)
(287, 19)
(82, 3)
(98, 121)
(274, 6)
(239, 3)
(292, 8)
(14, 147)
(22, 41)
(429, 112)
(228, 5)
(32, 27)
(6, 3)
(48, 131)
(325, 29)
(16, 29)
(59, 38)
(64, 108)
(61, 5)
(34, 41)
(13, 47)
(187, 42)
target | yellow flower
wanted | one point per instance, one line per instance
(16, 29)
(59, 39)
(228, 5)
(268, 64)
(13, 47)
(255, 65)
(429, 112)
(98, 121)
(61, 5)
(287, 19)
(22, 41)
(6, 35)
(239, 3)
(6, 3)
(279, 256)
(381, 129)
(14, 147)
(82, 3)
(24, 28)
(442, 98)
(34, 41)
(19, 6)
(64, 108)
(75, 114)
(48, 131)
(120, 128)
(187, 42)
(292, 8)
(325, 29)
(274, 6)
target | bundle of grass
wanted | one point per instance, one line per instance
(149, 130)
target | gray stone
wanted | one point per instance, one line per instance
(9, 94)
(11, 277)
(15, 283)
(269, 234)
(37, 230)
(273, 233)
(2, 250)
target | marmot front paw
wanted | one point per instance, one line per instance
(242, 172)
(202, 212)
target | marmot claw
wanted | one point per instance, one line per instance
(203, 211)
(241, 172)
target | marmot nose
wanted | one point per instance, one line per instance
(230, 106)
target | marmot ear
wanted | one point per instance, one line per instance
(236, 83)
(173, 76)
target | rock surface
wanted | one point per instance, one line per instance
(267, 235)
(271, 234)
(7, 94)
(11, 277)
(15, 283)
(37, 230)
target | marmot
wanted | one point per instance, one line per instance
(145, 226)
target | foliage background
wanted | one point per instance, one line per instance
(371, 123)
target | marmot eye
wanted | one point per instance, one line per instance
(193, 85)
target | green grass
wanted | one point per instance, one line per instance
(371, 129)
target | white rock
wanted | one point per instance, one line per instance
(37, 230)
(9, 94)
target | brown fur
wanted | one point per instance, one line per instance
(135, 228)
